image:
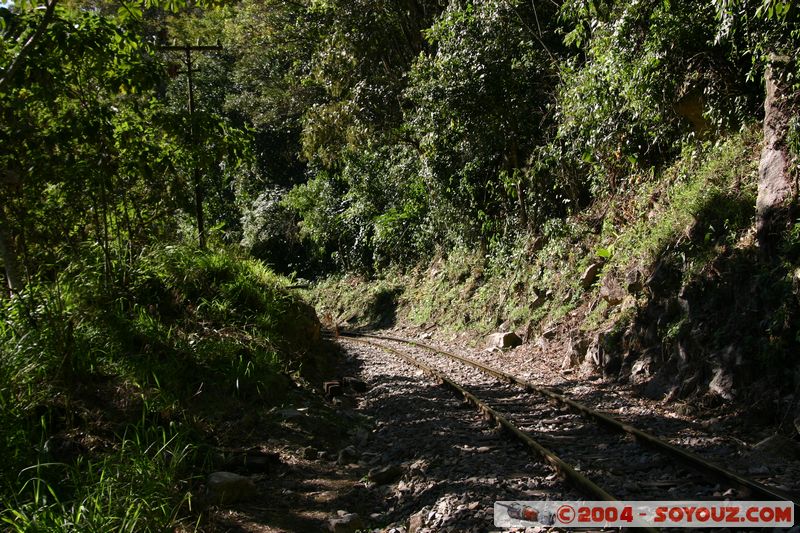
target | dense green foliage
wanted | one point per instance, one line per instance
(91, 152)
(121, 345)
(696, 208)
(681, 286)
(378, 133)
(410, 127)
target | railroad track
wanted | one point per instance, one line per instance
(617, 462)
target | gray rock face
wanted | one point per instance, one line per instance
(227, 487)
(576, 351)
(775, 186)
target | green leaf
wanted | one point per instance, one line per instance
(605, 253)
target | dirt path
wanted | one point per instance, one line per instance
(446, 464)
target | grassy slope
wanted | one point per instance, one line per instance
(677, 249)
(113, 399)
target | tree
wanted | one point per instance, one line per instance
(90, 152)
(24, 43)
(58, 118)
(480, 107)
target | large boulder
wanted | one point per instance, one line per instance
(576, 351)
(504, 340)
(226, 488)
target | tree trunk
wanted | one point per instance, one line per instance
(8, 254)
(523, 209)
(776, 190)
(198, 209)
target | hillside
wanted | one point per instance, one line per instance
(664, 286)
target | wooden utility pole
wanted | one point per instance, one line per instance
(198, 186)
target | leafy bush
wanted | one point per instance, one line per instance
(270, 233)
(371, 214)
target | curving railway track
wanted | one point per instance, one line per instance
(603, 457)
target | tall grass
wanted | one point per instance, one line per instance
(141, 486)
(131, 364)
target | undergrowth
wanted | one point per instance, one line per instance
(110, 387)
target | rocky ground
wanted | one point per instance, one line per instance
(394, 451)
(720, 432)
(453, 464)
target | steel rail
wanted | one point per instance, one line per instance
(562, 467)
(581, 482)
(754, 488)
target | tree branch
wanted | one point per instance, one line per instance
(28, 46)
